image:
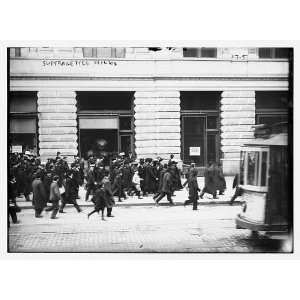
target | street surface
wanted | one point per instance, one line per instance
(149, 228)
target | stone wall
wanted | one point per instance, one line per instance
(157, 123)
(237, 117)
(57, 123)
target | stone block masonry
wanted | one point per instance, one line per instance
(237, 117)
(157, 123)
(57, 123)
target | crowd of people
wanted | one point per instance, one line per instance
(57, 182)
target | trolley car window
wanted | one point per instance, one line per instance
(264, 168)
(253, 163)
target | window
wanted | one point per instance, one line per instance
(200, 52)
(271, 107)
(23, 120)
(274, 52)
(125, 123)
(104, 100)
(104, 52)
(252, 171)
(254, 163)
(200, 100)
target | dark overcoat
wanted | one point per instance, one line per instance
(39, 199)
(220, 179)
(193, 188)
(150, 179)
(210, 180)
(167, 183)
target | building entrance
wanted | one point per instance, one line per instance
(200, 140)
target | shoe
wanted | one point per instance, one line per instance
(110, 216)
(39, 216)
(120, 200)
(184, 204)
(79, 210)
(201, 197)
(17, 222)
(172, 203)
(141, 197)
(54, 218)
(62, 212)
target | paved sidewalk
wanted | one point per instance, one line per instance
(179, 198)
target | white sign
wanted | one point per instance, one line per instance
(16, 149)
(194, 151)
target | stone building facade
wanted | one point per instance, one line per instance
(197, 103)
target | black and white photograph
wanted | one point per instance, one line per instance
(158, 149)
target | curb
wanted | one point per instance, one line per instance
(213, 203)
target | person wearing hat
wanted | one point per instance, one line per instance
(39, 199)
(193, 189)
(141, 172)
(54, 197)
(70, 193)
(90, 181)
(117, 187)
(166, 188)
(150, 177)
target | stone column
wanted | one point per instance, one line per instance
(237, 117)
(157, 123)
(57, 123)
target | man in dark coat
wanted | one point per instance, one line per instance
(70, 194)
(166, 188)
(150, 179)
(54, 197)
(209, 181)
(90, 182)
(117, 186)
(141, 172)
(39, 199)
(220, 179)
(47, 183)
(161, 176)
(193, 189)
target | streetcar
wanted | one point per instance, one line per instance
(264, 180)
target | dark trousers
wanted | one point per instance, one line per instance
(194, 201)
(71, 200)
(13, 214)
(205, 190)
(89, 191)
(119, 193)
(54, 208)
(163, 194)
(109, 210)
(38, 211)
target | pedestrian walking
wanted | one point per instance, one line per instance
(238, 190)
(70, 194)
(90, 181)
(39, 199)
(209, 181)
(136, 184)
(221, 182)
(54, 197)
(193, 189)
(166, 189)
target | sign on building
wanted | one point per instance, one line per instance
(16, 149)
(195, 151)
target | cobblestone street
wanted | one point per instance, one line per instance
(138, 229)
